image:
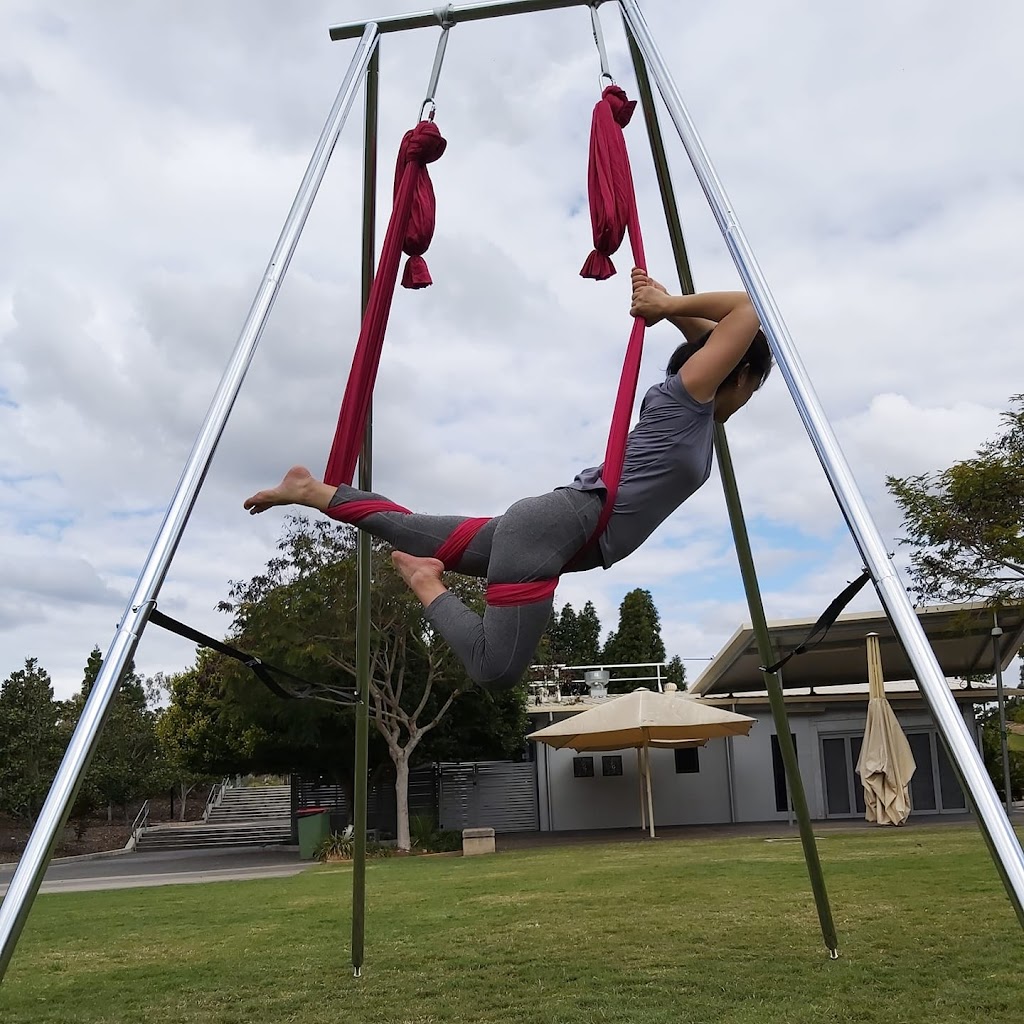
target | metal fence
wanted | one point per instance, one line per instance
(498, 794)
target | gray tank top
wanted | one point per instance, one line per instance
(668, 456)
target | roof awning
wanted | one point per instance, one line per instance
(959, 634)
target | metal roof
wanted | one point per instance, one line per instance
(959, 634)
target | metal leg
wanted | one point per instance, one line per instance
(995, 824)
(363, 568)
(29, 874)
(797, 798)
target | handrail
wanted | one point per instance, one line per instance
(141, 821)
(216, 795)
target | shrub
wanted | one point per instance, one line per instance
(341, 847)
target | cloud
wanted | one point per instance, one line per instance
(146, 186)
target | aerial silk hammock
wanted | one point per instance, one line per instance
(613, 213)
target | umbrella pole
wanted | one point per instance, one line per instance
(640, 785)
(650, 794)
(739, 528)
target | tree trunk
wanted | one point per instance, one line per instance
(401, 759)
(110, 812)
(185, 790)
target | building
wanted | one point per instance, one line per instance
(741, 779)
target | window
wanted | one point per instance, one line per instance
(687, 760)
(611, 765)
(583, 767)
(779, 771)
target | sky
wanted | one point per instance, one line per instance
(151, 153)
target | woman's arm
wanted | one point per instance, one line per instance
(736, 324)
(691, 327)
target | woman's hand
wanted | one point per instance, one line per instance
(640, 279)
(650, 303)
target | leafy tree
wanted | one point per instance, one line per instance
(29, 740)
(300, 614)
(992, 750)
(196, 739)
(964, 523)
(638, 637)
(126, 764)
(564, 633)
(571, 638)
(588, 636)
(481, 726)
(675, 672)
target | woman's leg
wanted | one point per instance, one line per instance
(532, 541)
(412, 533)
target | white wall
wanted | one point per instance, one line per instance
(568, 803)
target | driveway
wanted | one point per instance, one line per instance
(168, 867)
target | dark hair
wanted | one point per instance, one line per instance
(758, 357)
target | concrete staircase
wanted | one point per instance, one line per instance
(257, 816)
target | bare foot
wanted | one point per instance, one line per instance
(299, 487)
(422, 575)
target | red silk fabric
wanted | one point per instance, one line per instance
(613, 203)
(422, 145)
(609, 182)
(356, 511)
(458, 540)
(612, 212)
(509, 595)
(409, 228)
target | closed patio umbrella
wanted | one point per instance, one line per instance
(644, 719)
(886, 764)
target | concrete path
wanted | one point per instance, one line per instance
(171, 867)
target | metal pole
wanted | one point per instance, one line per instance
(796, 798)
(363, 549)
(650, 793)
(32, 866)
(457, 15)
(1001, 697)
(996, 827)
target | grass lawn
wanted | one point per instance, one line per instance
(667, 931)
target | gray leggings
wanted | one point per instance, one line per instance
(532, 541)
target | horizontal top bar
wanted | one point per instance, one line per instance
(456, 15)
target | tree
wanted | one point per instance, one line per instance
(588, 636)
(126, 764)
(300, 614)
(29, 739)
(195, 736)
(564, 633)
(638, 637)
(992, 749)
(572, 639)
(964, 523)
(675, 672)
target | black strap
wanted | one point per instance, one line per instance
(824, 623)
(264, 672)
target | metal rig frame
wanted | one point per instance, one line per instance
(648, 61)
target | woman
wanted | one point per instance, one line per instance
(714, 373)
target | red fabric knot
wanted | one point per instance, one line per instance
(609, 182)
(621, 105)
(421, 145)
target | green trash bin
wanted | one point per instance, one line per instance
(314, 828)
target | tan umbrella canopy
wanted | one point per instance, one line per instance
(644, 719)
(886, 764)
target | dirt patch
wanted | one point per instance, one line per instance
(96, 835)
